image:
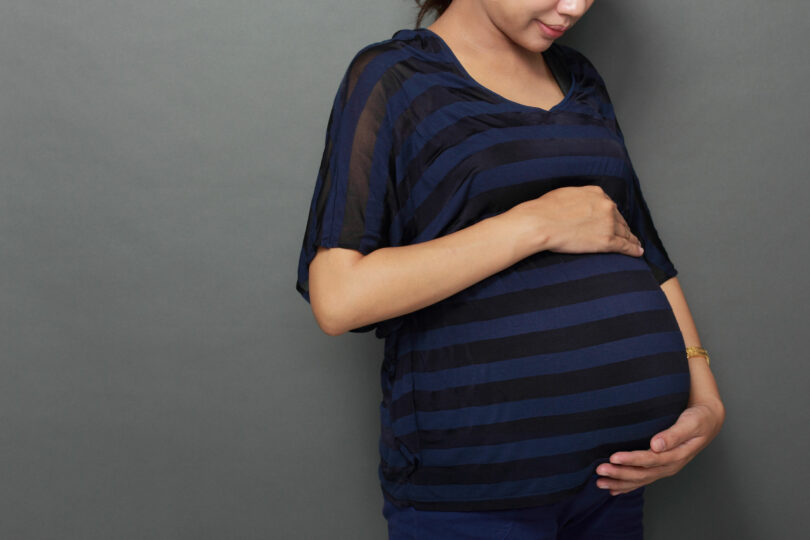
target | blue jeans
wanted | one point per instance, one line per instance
(592, 514)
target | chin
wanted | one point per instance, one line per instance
(538, 45)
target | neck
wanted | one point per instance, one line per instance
(469, 31)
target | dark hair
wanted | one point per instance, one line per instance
(426, 6)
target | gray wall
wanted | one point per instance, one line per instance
(160, 375)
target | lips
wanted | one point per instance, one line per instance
(551, 31)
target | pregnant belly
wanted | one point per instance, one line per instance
(554, 363)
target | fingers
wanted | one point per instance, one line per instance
(632, 238)
(638, 458)
(650, 459)
(632, 244)
(617, 487)
(621, 228)
(623, 472)
(628, 233)
(624, 478)
(688, 425)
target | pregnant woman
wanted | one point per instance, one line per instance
(477, 208)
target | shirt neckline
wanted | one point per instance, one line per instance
(452, 56)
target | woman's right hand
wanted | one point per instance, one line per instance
(578, 219)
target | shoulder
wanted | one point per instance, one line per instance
(383, 63)
(373, 52)
(403, 44)
(380, 57)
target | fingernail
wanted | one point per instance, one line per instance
(658, 445)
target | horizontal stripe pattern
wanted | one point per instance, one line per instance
(509, 393)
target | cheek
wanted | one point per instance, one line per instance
(517, 21)
(510, 14)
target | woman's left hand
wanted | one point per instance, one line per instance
(695, 428)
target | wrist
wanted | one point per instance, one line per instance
(529, 232)
(710, 401)
(699, 352)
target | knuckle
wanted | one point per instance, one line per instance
(616, 240)
(609, 241)
(671, 471)
(684, 455)
(607, 203)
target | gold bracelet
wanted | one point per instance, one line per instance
(698, 351)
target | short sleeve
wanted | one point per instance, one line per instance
(352, 203)
(641, 223)
(638, 217)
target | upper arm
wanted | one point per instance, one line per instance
(354, 200)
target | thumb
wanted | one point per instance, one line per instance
(674, 435)
(659, 443)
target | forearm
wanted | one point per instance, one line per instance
(393, 281)
(703, 385)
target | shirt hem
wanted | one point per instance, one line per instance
(516, 503)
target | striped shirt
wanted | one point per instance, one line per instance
(511, 392)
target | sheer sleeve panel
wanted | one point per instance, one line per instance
(352, 203)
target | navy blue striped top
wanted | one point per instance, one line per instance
(509, 393)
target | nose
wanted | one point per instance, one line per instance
(572, 7)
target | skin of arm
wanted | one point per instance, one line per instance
(349, 290)
(695, 428)
(704, 387)
(392, 281)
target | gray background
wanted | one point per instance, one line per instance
(160, 376)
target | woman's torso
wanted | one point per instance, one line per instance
(509, 393)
